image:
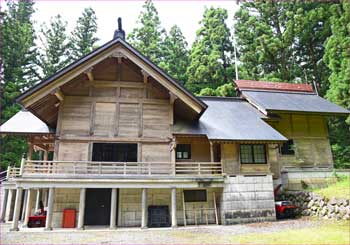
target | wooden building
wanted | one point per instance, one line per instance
(125, 145)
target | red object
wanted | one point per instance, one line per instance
(277, 86)
(37, 221)
(68, 218)
(284, 209)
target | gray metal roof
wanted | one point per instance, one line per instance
(230, 119)
(24, 122)
(292, 102)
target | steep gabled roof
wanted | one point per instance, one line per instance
(271, 97)
(65, 74)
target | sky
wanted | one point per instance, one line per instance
(185, 14)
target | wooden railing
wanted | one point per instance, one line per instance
(89, 168)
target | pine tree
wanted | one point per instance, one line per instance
(210, 56)
(149, 35)
(337, 57)
(55, 49)
(83, 39)
(176, 58)
(17, 56)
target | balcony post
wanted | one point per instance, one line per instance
(81, 209)
(48, 225)
(112, 224)
(144, 208)
(173, 208)
(24, 204)
(9, 205)
(37, 201)
(8, 172)
(211, 151)
(30, 151)
(17, 209)
(28, 208)
(173, 156)
(3, 205)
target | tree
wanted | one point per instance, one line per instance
(210, 56)
(18, 56)
(337, 57)
(55, 46)
(148, 36)
(176, 58)
(226, 90)
(280, 41)
(83, 39)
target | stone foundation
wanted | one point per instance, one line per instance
(247, 199)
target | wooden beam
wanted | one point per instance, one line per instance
(173, 97)
(145, 76)
(58, 93)
(89, 74)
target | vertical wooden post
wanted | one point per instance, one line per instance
(4, 204)
(48, 225)
(17, 209)
(37, 200)
(113, 217)
(173, 207)
(9, 205)
(30, 151)
(215, 209)
(211, 151)
(173, 155)
(184, 207)
(23, 160)
(144, 208)
(81, 208)
(24, 201)
(28, 207)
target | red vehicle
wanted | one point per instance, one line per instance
(284, 209)
(39, 219)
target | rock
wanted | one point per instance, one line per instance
(311, 203)
(322, 203)
(342, 210)
(336, 209)
(333, 201)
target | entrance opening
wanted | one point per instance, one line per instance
(114, 152)
(158, 216)
(98, 207)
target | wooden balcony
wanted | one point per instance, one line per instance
(86, 169)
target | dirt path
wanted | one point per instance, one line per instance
(189, 235)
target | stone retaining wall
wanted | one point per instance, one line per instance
(311, 204)
(247, 199)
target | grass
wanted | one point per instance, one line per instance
(337, 232)
(340, 189)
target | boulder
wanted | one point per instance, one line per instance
(333, 201)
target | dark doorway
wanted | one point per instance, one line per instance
(98, 206)
(158, 216)
(114, 152)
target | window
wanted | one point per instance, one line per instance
(195, 195)
(287, 148)
(253, 154)
(114, 152)
(183, 151)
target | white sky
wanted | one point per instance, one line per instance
(186, 14)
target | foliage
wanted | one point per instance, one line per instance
(176, 58)
(83, 39)
(339, 189)
(226, 90)
(279, 41)
(339, 137)
(55, 46)
(210, 57)
(18, 55)
(149, 35)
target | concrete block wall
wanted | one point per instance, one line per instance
(130, 206)
(64, 198)
(296, 180)
(247, 199)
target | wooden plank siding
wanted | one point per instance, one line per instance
(115, 111)
(310, 136)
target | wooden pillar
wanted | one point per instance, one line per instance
(37, 201)
(173, 155)
(81, 208)
(24, 204)
(113, 219)
(46, 155)
(173, 207)
(30, 151)
(49, 213)
(17, 209)
(28, 207)
(8, 216)
(211, 151)
(3, 205)
(144, 208)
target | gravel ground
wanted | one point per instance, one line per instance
(189, 235)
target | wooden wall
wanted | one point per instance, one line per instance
(310, 136)
(106, 110)
(200, 148)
